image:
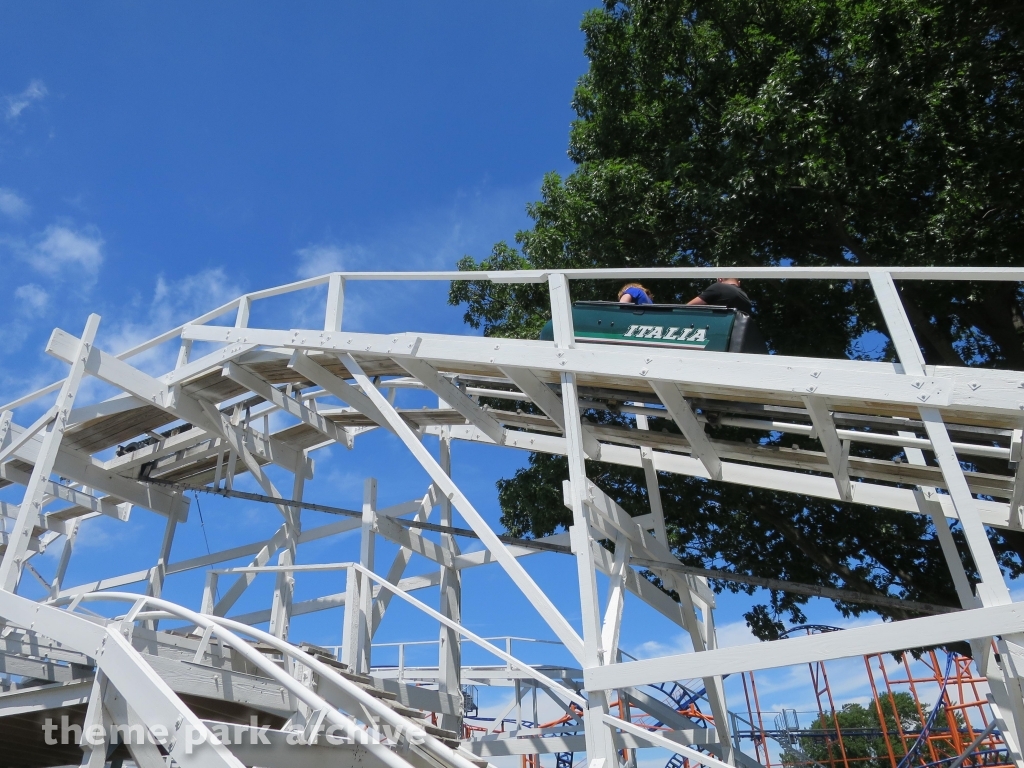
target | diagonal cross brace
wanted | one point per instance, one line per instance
(32, 503)
(545, 399)
(682, 414)
(508, 562)
(172, 400)
(291, 406)
(456, 398)
(341, 389)
(836, 452)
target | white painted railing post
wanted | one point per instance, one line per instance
(242, 315)
(335, 303)
(600, 747)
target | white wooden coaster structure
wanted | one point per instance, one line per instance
(206, 421)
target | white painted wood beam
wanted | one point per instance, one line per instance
(846, 382)
(879, 638)
(522, 579)
(32, 503)
(335, 303)
(455, 397)
(545, 399)
(835, 452)
(341, 389)
(992, 513)
(260, 386)
(682, 414)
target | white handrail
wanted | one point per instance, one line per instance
(401, 593)
(225, 629)
(998, 274)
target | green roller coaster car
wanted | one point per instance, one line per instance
(684, 326)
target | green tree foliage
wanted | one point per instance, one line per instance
(862, 735)
(804, 132)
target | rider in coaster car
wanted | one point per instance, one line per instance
(726, 292)
(634, 293)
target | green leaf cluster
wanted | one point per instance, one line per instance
(863, 740)
(795, 132)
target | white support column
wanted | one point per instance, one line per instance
(540, 601)
(1017, 499)
(600, 747)
(155, 586)
(612, 626)
(335, 303)
(242, 315)
(399, 564)
(359, 590)
(184, 353)
(835, 452)
(701, 641)
(982, 649)
(284, 587)
(144, 752)
(367, 546)
(653, 486)
(927, 503)
(992, 589)
(65, 557)
(245, 579)
(6, 418)
(350, 621)
(549, 403)
(682, 414)
(31, 505)
(449, 649)
(95, 740)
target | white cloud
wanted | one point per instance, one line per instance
(59, 248)
(13, 205)
(319, 259)
(173, 302)
(679, 643)
(734, 633)
(34, 297)
(36, 91)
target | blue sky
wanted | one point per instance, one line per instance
(157, 160)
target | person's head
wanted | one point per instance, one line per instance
(729, 280)
(627, 286)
